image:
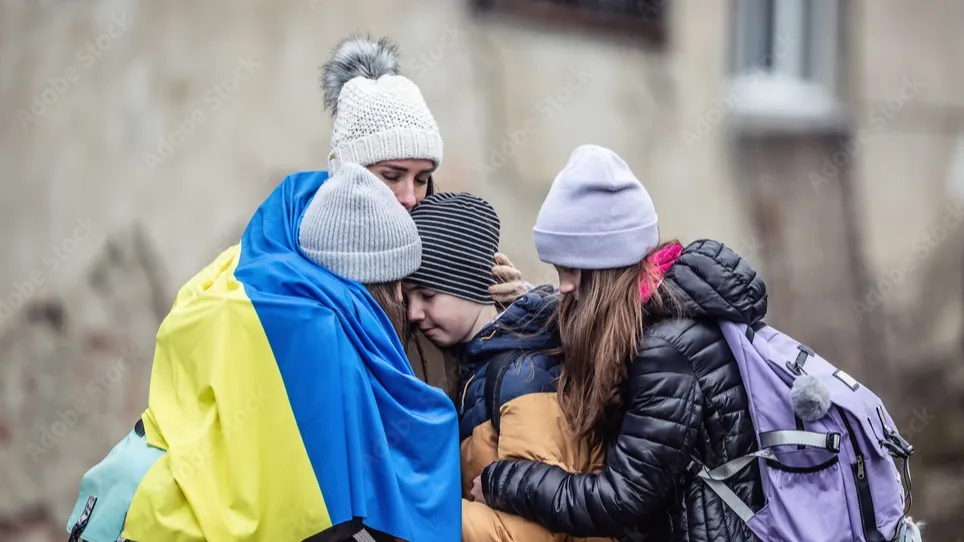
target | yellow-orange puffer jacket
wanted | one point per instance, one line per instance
(508, 410)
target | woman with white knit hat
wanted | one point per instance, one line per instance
(647, 372)
(381, 122)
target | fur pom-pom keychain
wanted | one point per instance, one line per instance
(810, 398)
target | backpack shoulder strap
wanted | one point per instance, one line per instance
(753, 328)
(494, 373)
(715, 478)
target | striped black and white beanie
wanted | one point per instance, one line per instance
(460, 236)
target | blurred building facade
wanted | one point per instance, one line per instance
(823, 139)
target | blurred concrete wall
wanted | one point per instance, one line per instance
(184, 116)
(161, 126)
(909, 170)
(909, 160)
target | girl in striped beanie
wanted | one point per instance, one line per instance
(509, 361)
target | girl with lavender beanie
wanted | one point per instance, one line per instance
(647, 372)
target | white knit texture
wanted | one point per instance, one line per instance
(383, 119)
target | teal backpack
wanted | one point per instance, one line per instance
(107, 489)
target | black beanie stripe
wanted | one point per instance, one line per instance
(460, 236)
(455, 220)
(458, 233)
(464, 270)
(453, 285)
(461, 262)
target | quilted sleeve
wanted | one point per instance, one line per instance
(645, 466)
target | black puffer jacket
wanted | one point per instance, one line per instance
(684, 397)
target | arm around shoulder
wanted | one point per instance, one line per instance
(646, 462)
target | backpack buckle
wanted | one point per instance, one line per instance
(78, 530)
(796, 366)
(833, 442)
(694, 467)
(896, 444)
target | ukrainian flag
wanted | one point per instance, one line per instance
(285, 404)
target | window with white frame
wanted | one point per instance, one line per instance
(786, 58)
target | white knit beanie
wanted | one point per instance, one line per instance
(597, 214)
(379, 115)
(354, 227)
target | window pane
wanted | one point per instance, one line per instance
(811, 34)
(824, 42)
(769, 33)
(753, 35)
(790, 41)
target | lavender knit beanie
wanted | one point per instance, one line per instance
(597, 214)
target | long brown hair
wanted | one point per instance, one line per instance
(389, 297)
(601, 330)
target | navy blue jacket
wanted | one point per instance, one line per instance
(513, 349)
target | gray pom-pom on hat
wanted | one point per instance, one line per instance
(353, 57)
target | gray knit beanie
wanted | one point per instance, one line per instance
(597, 214)
(356, 228)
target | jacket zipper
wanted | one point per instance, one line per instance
(464, 390)
(865, 500)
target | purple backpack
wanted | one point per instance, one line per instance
(827, 448)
